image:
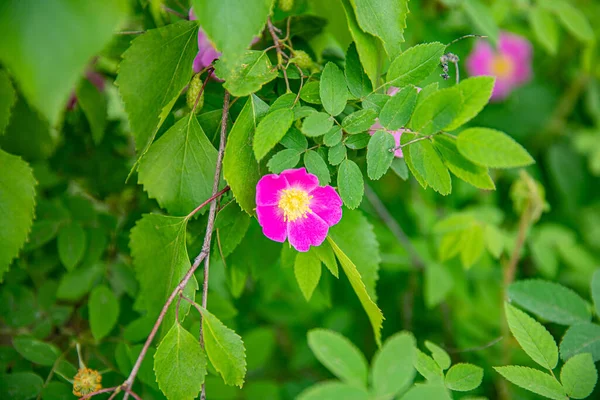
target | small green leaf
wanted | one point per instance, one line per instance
(327, 257)
(333, 391)
(475, 93)
(481, 16)
(339, 355)
(36, 351)
(380, 154)
(550, 301)
(333, 136)
(358, 141)
(350, 184)
(307, 269)
(180, 364)
(595, 290)
(359, 121)
(572, 18)
(316, 165)
(464, 377)
(358, 81)
(473, 245)
(72, 241)
(225, 349)
(282, 160)
(579, 376)
(333, 90)
(246, 75)
(426, 160)
(104, 311)
(271, 130)
(537, 342)
(438, 284)
(400, 168)
(545, 28)
(231, 224)
(310, 92)
(582, 338)
(494, 241)
(77, 283)
(294, 139)
(492, 148)
(440, 355)
(392, 370)
(416, 165)
(337, 154)
(533, 380)
(93, 104)
(317, 124)
(428, 367)
(397, 111)
(437, 111)
(20, 385)
(415, 64)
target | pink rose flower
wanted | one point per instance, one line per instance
(206, 51)
(293, 206)
(510, 63)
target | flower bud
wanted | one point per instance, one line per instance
(86, 381)
(286, 5)
(193, 92)
(302, 59)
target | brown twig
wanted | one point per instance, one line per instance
(280, 53)
(174, 12)
(211, 198)
(105, 390)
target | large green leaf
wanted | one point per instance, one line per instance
(8, 97)
(492, 148)
(225, 349)
(179, 168)
(334, 390)
(231, 226)
(36, 351)
(463, 377)
(169, 52)
(350, 184)
(307, 269)
(103, 309)
(537, 342)
(358, 81)
(475, 94)
(17, 201)
(271, 130)
(396, 113)
(160, 259)
(20, 385)
(333, 89)
(579, 376)
(246, 75)
(415, 64)
(373, 312)
(47, 45)
(425, 163)
(385, 19)
(180, 364)
(392, 370)
(437, 111)
(317, 124)
(359, 121)
(317, 166)
(231, 25)
(481, 16)
(550, 301)
(339, 355)
(582, 338)
(380, 154)
(533, 380)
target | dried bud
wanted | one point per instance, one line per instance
(286, 5)
(302, 59)
(193, 92)
(86, 381)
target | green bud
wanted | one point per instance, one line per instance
(286, 5)
(302, 59)
(192, 94)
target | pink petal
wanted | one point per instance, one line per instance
(271, 220)
(306, 232)
(502, 89)
(327, 204)
(267, 189)
(397, 134)
(300, 179)
(480, 59)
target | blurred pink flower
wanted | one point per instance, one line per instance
(206, 51)
(95, 78)
(510, 63)
(292, 205)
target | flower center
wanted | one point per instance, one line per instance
(502, 66)
(295, 203)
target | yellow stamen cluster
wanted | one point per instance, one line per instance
(86, 381)
(502, 66)
(295, 203)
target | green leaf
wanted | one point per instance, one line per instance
(427, 391)
(494, 240)
(385, 19)
(428, 367)
(359, 121)
(333, 136)
(392, 370)
(36, 351)
(396, 113)
(327, 257)
(339, 355)
(8, 98)
(271, 130)
(415, 64)
(438, 284)
(582, 338)
(225, 349)
(373, 312)
(545, 28)
(400, 168)
(167, 51)
(533, 380)
(437, 111)
(337, 154)
(333, 90)
(284, 159)
(579, 376)
(307, 269)
(17, 203)
(460, 166)
(439, 355)
(356, 78)
(492, 148)
(416, 166)
(180, 364)
(334, 390)
(20, 385)
(426, 160)
(317, 124)
(46, 56)
(310, 92)
(231, 224)
(481, 16)
(473, 245)
(358, 141)
(316, 165)
(71, 241)
(248, 18)
(537, 342)
(93, 104)
(550, 301)
(77, 283)
(367, 45)
(380, 154)
(179, 168)
(103, 310)
(595, 290)
(160, 260)
(475, 93)
(350, 184)
(572, 18)
(464, 377)
(240, 169)
(246, 75)
(294, 139)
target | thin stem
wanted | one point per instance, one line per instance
(210, 71)
(130, 32)
(465, 37)
(211, 198)
(457, 72)
(105, 390)
(477, 348)
(413, 141)
(280, 54)
(133, 394)
(174, 12)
